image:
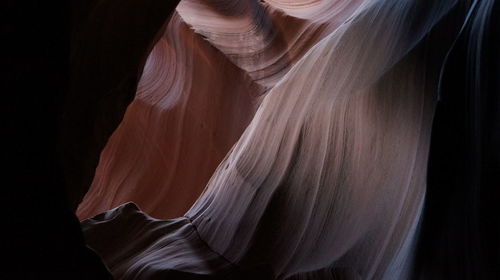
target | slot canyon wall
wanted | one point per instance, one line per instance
(200, 88)
(349, 139)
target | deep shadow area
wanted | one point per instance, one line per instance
(63, 95)
(460, 230)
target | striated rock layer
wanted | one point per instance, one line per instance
(330, 121)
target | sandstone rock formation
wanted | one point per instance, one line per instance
(245, 139)
(309, 124)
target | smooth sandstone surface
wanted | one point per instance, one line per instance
(292, 135)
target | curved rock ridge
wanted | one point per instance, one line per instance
(170, 248)
(260, 38)
(336, 153)
(328, 178)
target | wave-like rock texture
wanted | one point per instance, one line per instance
(172, 248)
(192, 104)
(309, 123)
(199, 90)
